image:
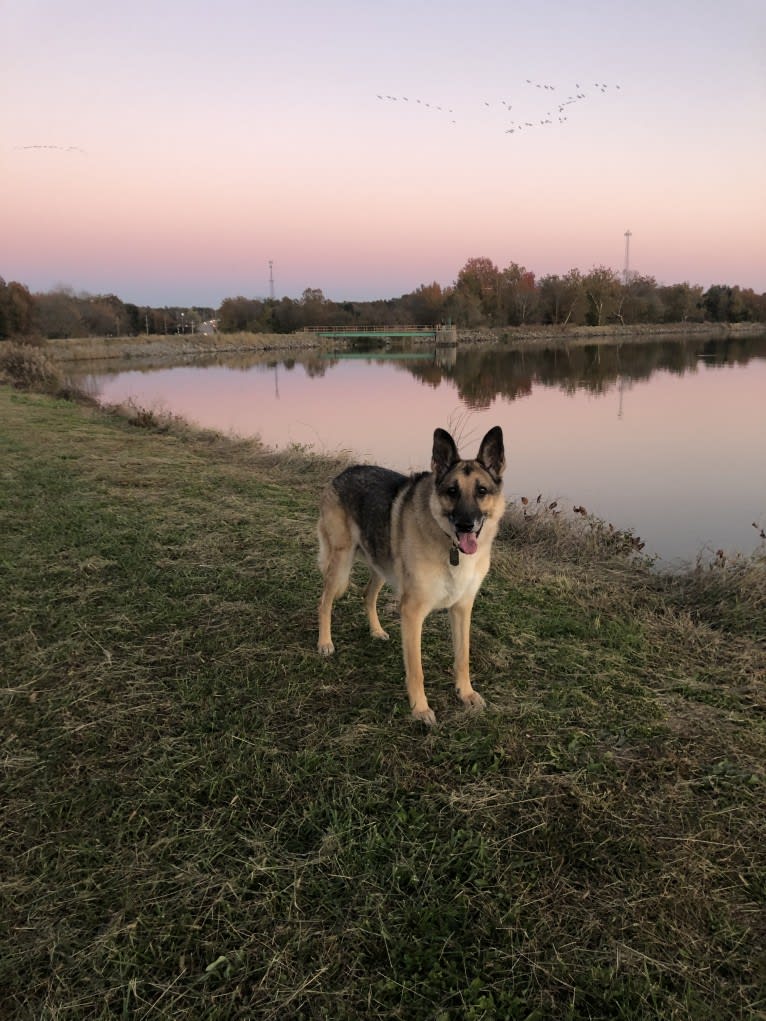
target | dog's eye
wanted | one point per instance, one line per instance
(481, 490)
(453, 490)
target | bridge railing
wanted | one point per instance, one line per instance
(370, 329)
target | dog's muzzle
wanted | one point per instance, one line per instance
(467, 531)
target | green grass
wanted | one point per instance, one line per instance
(201, 818)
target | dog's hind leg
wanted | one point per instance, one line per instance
(337, 546)
(336, 568)
(336, 575)
(371, 594)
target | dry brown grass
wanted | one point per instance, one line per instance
(167, 346)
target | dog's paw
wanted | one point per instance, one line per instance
(325, 648)
(471, 700)
(379, 633)
(425, 716)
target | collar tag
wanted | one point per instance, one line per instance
(454, 556)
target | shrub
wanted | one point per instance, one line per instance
(28, 368)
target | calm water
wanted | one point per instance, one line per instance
(665, 438)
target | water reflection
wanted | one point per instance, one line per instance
(664, 437)
(483, 373)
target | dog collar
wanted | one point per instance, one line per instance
(454, 552)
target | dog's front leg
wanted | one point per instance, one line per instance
(460, 622)
(413, 615)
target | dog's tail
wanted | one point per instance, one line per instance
(323, 553)
(337, 544)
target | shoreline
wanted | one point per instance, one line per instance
(192, 345)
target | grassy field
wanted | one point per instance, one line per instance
(203, 819)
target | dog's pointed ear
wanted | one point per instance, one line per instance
(444, 453)
(492, 453)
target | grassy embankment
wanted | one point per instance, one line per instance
(190, 345)
(201, 818)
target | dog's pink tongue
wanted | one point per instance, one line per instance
(467, 542)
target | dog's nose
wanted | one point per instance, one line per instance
(464, 524)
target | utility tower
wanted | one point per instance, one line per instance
(626, 271)
(271, 279)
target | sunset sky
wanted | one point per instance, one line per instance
(166, 151)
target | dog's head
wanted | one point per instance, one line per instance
(467, 492)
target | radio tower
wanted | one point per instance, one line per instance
(626, 272)
(271, 279)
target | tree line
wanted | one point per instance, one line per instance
(61, 313)
(482, 296)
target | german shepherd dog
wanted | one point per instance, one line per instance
(428, 535)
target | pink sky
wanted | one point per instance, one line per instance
(215, 139)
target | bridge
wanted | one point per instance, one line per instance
(445, 334)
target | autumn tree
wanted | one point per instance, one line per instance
(562, 299)
(517, 295)
(286, 316)
(315, 309)
(132, 318)
(426, 305)
(681, 303)
(465, 308)
(753, 305)
(103, 315)
(16, 309)
(243, 315)
(723, 304)
(602, 290)
(638, 301)
(57, 314)
(162, 320)
(480, 278)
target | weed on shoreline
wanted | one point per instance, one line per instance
(203, 818)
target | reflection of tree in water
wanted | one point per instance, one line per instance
(483, 373)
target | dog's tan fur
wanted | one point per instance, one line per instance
(429, 536)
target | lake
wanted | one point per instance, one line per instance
(666, 438)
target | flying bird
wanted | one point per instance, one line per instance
(540, 118)
(58, 148)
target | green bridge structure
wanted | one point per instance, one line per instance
(439, 334)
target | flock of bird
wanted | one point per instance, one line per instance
(558, 112)
(60, 148)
